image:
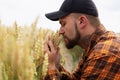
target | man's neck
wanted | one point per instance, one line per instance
(83, 43)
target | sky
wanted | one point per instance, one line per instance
(24, 12)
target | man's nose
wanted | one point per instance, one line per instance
(61, 30)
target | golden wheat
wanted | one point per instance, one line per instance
(21, 51)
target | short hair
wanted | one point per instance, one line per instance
(94, 21)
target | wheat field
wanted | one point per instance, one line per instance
(21, 51)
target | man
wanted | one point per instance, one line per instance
(80, 25)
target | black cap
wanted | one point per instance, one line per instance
(74, 6)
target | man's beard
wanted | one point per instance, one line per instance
(72, 42)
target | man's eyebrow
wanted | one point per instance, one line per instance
(60, 22)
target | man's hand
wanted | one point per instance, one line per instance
(53, 55)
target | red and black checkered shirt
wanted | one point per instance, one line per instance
(101, 60)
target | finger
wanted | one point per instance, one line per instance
(58, 57)
(51, 45)
(58, 51)
(46, 49)
(48, 37)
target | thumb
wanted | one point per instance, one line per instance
(58, 55)
(58, 51)
(58, 58)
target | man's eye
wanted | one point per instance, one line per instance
(63, 24)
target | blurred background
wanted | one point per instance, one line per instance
(24, 12)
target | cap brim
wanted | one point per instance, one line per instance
(54, 16)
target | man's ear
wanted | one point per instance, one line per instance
(82, 21)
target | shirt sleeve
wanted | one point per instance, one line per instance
(101, 67)
(52, 75)
(97, 68)
(62, 74)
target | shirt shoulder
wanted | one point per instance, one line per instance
(107, 44)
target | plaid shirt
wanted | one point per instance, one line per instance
(101, 60)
